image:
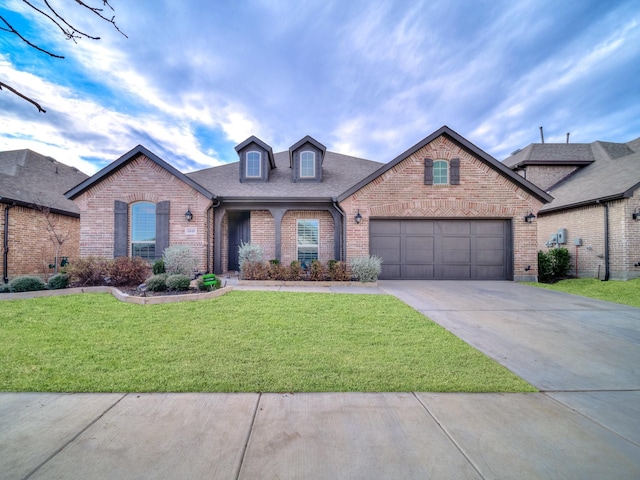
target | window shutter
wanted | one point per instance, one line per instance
(120, 229)
(454, 171)
(162, 227)
(428, 171)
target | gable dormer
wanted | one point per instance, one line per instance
(256, 160)
(305, 160)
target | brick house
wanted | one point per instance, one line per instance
(595, 212)
(37, 222)
(444, 209)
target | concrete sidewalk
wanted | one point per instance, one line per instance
(583, 353)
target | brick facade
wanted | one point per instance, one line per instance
(482, 193)
(32, 248)
(290, 234)
(545, 176)
(141, 179)
(587, 223)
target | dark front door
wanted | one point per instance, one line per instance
(239, 231)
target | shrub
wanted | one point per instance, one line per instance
(178, 259)
(295, 271)
(254, 270)
(249, 252)
(367, 269)
(316, 271)
(178, 282)
(88, 270)
(158, 267)
(26, 284)
(277, 271)
(338, 271)
(4, 288)
(553, 265)
(127, 271)
(157, 283)
(58, 281)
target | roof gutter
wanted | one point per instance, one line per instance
(585, 203)
(19, 203)
(606, 242)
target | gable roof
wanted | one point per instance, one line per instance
(339, 172)
(466, 145)
(125, 159)
(300, 143)
(614, 174)
(28, 178)
(261, 144)
(549, 154)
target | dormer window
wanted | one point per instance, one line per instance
(307, 164)
(254, 165)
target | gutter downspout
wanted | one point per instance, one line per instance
(209, 246)
(606, 242)
(5, 250)
(343, 237)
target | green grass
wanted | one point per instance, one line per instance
(626, 293)
(240, 342)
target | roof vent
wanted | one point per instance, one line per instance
(516, 151)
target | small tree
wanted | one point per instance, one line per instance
(57, 235)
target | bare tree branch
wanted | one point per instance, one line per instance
(15, 32)
(24, 97)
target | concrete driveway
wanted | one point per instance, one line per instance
(585, 424)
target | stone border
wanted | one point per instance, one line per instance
(123, 297)
(305, 283)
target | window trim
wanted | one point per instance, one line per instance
(437, 175)
(247, 159)
(133, 219)
(316, 221)
(313, 163)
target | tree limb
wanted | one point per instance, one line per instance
(24, 97)
(14, 31)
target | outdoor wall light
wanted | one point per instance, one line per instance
(636, 214)
(188, 215)
(529, 217)
(358, 217)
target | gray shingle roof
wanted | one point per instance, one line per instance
(610, 171)
(552, 154)
(27, 178)
(339, 172)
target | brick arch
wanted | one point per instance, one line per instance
(142, 197)
(441, 208)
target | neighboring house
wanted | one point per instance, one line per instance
(444, 209)
(596, 208)
(37, 222)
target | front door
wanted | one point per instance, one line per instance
(239, 231)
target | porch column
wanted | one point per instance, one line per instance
(277, 214)
(217, 239)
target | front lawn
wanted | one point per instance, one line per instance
(626, 293)
(244, 341)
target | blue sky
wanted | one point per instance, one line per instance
(366, 78)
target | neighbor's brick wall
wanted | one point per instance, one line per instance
(545, 176)
(142, 180)
(587, 223)
(31, 249)
(482, 193)
(289, 240)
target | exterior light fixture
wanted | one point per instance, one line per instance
(636, 214)
(358, 217)
(529, 217)
(188, 215)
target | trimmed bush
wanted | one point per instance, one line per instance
(295, 271)
(4, 288)
(127, 271)
(178, 259)
(254, 270)
(58, 282)
(367, 269)
(26, 284)
(178, 282)
(157, 283)
(277, 271)
(317, 271)
(553, 265)
(88, 270)
(249, 255)
(338, 271)
(158, 267)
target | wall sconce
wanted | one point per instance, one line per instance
(358, 218)
(529, 217)
(636, 214)
(188, 215)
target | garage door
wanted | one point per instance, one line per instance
(443, 249)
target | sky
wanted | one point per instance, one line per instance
(194, 78)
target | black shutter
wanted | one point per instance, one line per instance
(428, 171)
(162, 227)
(120, 229)
(454, 171)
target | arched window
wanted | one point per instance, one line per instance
(440, 172)
(254, 164)
(143, 230)
(307, 164)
